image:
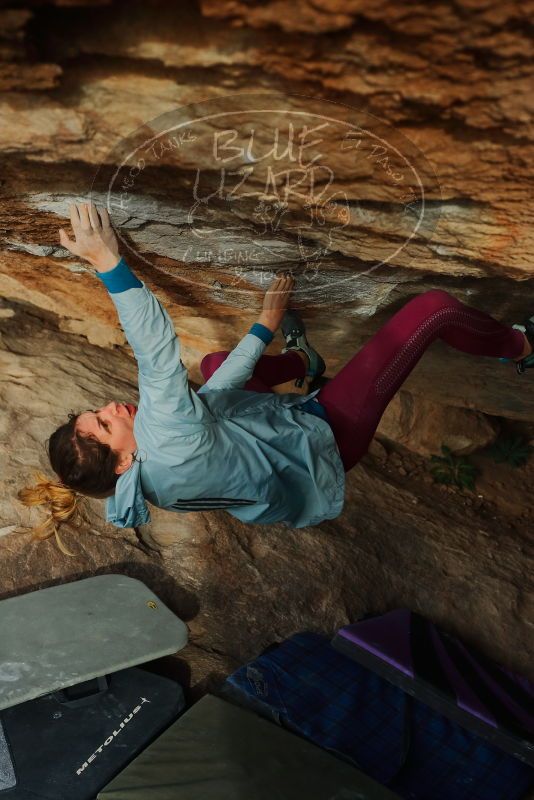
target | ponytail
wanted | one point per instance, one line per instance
(85, 468)
(62, 503)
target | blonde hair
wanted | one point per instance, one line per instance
(62, 503)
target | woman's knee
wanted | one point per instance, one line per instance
(212, 361)
(435, 299)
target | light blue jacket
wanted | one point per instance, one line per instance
(260, 456)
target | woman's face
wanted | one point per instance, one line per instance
(112, 425)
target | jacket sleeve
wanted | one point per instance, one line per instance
(239, 365)
(163, 381)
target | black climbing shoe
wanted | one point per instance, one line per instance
(294, 332)
(318, 383)
(528, 329)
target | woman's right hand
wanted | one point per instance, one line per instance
(95, 239)
(276, 301)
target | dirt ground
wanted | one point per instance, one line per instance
(502, 491)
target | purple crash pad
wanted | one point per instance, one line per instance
(440, 670)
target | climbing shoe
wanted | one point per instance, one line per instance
(294, 332)
(528, 329)
(318, 383)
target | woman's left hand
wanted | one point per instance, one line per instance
(95, 239)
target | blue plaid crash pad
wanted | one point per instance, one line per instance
(311, 689)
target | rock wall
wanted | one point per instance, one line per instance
(399, 542)
(455, 82)
(77, 78)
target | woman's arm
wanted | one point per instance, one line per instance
(163, 383)
(163, 379)
(239, 365)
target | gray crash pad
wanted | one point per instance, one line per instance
(57, 637)
(218, 750)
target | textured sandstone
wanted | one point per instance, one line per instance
(424, 426)
(76, 77)
(241, 587)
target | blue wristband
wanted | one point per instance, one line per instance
(120, 278)
(262, 332)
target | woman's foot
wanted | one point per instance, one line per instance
(304, 358)
(526, 359)
(294, 332)
(527, 349)
(291, 385)
(318, 383)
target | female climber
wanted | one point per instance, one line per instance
(235, 444)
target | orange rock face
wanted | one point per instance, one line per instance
(380, 149)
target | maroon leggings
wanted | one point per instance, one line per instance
(357, 396)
